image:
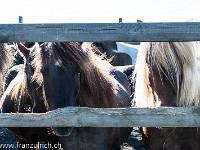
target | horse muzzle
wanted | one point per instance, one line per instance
(62, 131)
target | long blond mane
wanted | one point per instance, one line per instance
(179, 60)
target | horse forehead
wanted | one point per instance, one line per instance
(58, 63)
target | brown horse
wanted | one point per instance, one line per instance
(167, 74)
(72, 76)
(16, 99)
(110, 50)
(6, 61)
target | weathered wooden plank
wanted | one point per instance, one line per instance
(108, 117)
(80, 32)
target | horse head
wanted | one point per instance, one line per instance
(61, 86)
(56, 79)
(167, 75)
(167, 68)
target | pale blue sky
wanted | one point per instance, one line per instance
(101, 11)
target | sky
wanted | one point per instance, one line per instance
(98, 11)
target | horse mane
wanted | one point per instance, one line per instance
(89, 46)
(178, 62)
(96, 82)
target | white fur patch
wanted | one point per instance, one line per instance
(128, 49)
(58, 63)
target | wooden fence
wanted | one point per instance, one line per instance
(76, 32)
(101, 117)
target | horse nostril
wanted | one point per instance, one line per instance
(34, 110)
(62, 131)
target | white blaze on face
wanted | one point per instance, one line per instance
(128, 49)
(58, 63)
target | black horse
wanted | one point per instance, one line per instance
(119, 53)
(71, 76)
(16, 99)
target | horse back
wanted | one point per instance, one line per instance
(11, 74)
(127, 71)
(125, 89)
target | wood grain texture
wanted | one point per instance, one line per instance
(108, 117)
(98, 32)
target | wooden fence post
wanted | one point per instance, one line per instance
(120, 20)
(20, 19)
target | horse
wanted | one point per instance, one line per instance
(128, 71)
(72, 76)
(16, 99)
(6, 61)
(166, 74)
(119, 53)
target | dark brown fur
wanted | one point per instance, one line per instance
(6, 61)
(92, 75)
(16, 99)
(98, 89)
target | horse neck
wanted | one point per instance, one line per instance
(38, 97)
(100, 101)
(18, 93)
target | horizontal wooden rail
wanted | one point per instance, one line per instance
(83, 32)
(107, 117)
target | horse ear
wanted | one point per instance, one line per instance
(139, 21)
(24, 50)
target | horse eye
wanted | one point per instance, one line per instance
(78, 71)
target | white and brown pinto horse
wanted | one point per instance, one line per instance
(166, 74)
